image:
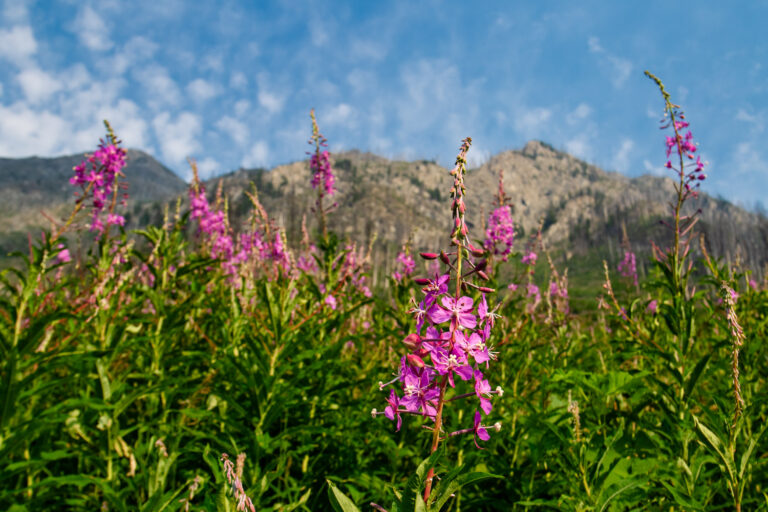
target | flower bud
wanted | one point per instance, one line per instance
(444, 258)
(485, 289)
(483, 275)
(474, 250)
(412, 341)
(421, 281)
(415, 360)
(428, 255)
(480, 265)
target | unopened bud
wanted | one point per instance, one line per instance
(428, 255)
(415, 360)
(412, 341)
(421, 281)
(474, 250)
(480, 265)
(485, 289)
(444, 258)
(483, 275)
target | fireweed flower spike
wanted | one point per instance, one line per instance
(98, 177)
(450, 338)
(322, 175)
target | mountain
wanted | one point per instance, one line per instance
(29, 186)
(582, 209)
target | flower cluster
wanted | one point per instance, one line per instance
(235, 252)
(234, 478)
(98, 175)
(320, 163)
(501, 229)
(628, 266)
(405, 266)
(500, 234)
(450, 340)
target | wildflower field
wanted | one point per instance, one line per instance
(198, 365)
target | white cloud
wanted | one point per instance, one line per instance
(258, 156)
(339, 114)
(26, 132)
(368, 50)
(37, 85)
(619, 68)
(18, 44)
(136, 50)
(178, 139)
(238, 80)
(621, 159)
(201, 90)
(272, 102)
(234, 129)
(92, 30)
(531, 122)
(581, 112)
(748, 160)
(161, 89)
(318, 33)
(361, 80)
(579, 147)
(653, 169)
(207, 168)
(15, 11)
(241, 107)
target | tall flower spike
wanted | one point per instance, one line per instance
(737, 339)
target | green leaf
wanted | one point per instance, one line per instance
(414, 483)
(748, 453)
(339, 500)
(450, 487)
(711, 440)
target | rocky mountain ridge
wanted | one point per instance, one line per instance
(580, 207)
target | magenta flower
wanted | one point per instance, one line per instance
(448, 363)
(479, 430)
(500, 234)
(529, 258)
(330, 301)
(457, 311)
(63, 256)
(406, 266)
(391, 411)
(477, 348)
(483, 392)
(628, 266)
(419, 391)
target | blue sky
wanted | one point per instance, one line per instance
(231, 83)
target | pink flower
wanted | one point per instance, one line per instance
(500, 231)
(457, 311)
(529, 258)
(330, 301)
(63, 256)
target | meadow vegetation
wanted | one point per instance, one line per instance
(197, 365)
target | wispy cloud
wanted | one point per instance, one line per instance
(201, 90)
(92, 30)
(18, 44)
(618, 67)
(178, 137)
